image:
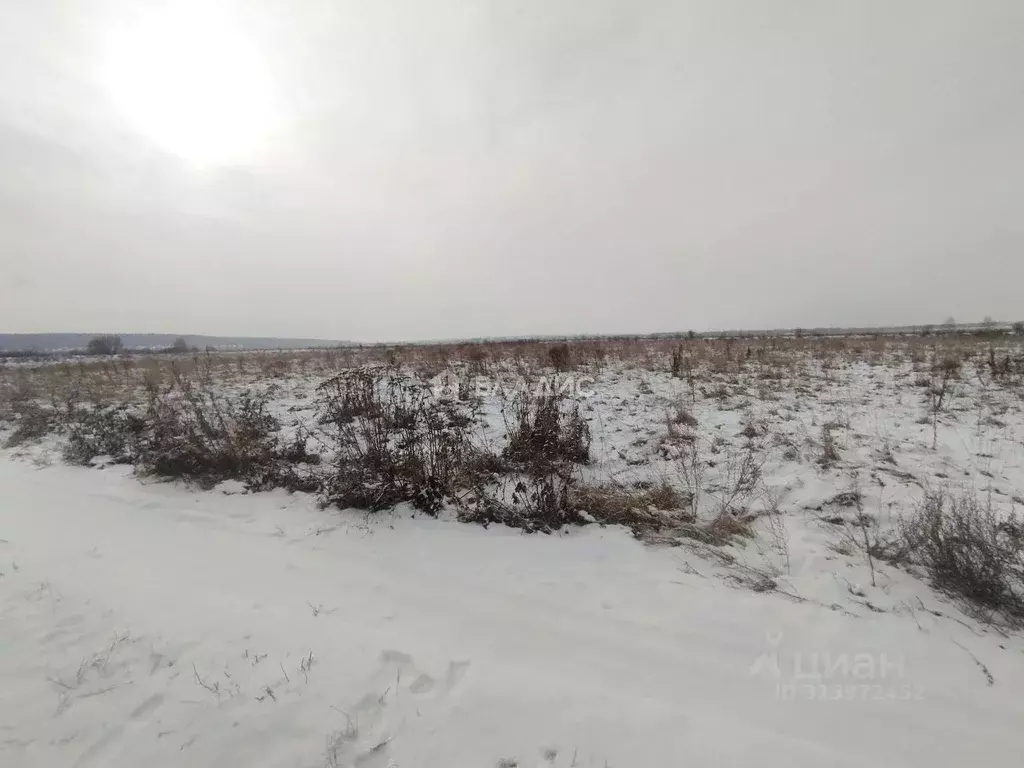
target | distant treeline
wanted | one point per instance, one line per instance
(111, 344)
(984, 329)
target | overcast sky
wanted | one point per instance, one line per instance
(411, 169)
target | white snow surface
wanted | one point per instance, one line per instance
(144, 624)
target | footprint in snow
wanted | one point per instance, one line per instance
(397, 693)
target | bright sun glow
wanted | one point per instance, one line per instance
(192, 82)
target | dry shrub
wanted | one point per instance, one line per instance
(720, 392)
(677, 362)
(680, 415)
(113, 432)
(190, 432)
(545, 430)
(970, 550)
(829, 447)
(720, 506)
(32, 421)
(666, 497)
(730, 525)
(547, 438)
(641, 509)
(561, 357)
(545, 501)
(536, 501)
(197, 435)
(392, 441)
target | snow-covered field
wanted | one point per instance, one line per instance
(149, 623)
